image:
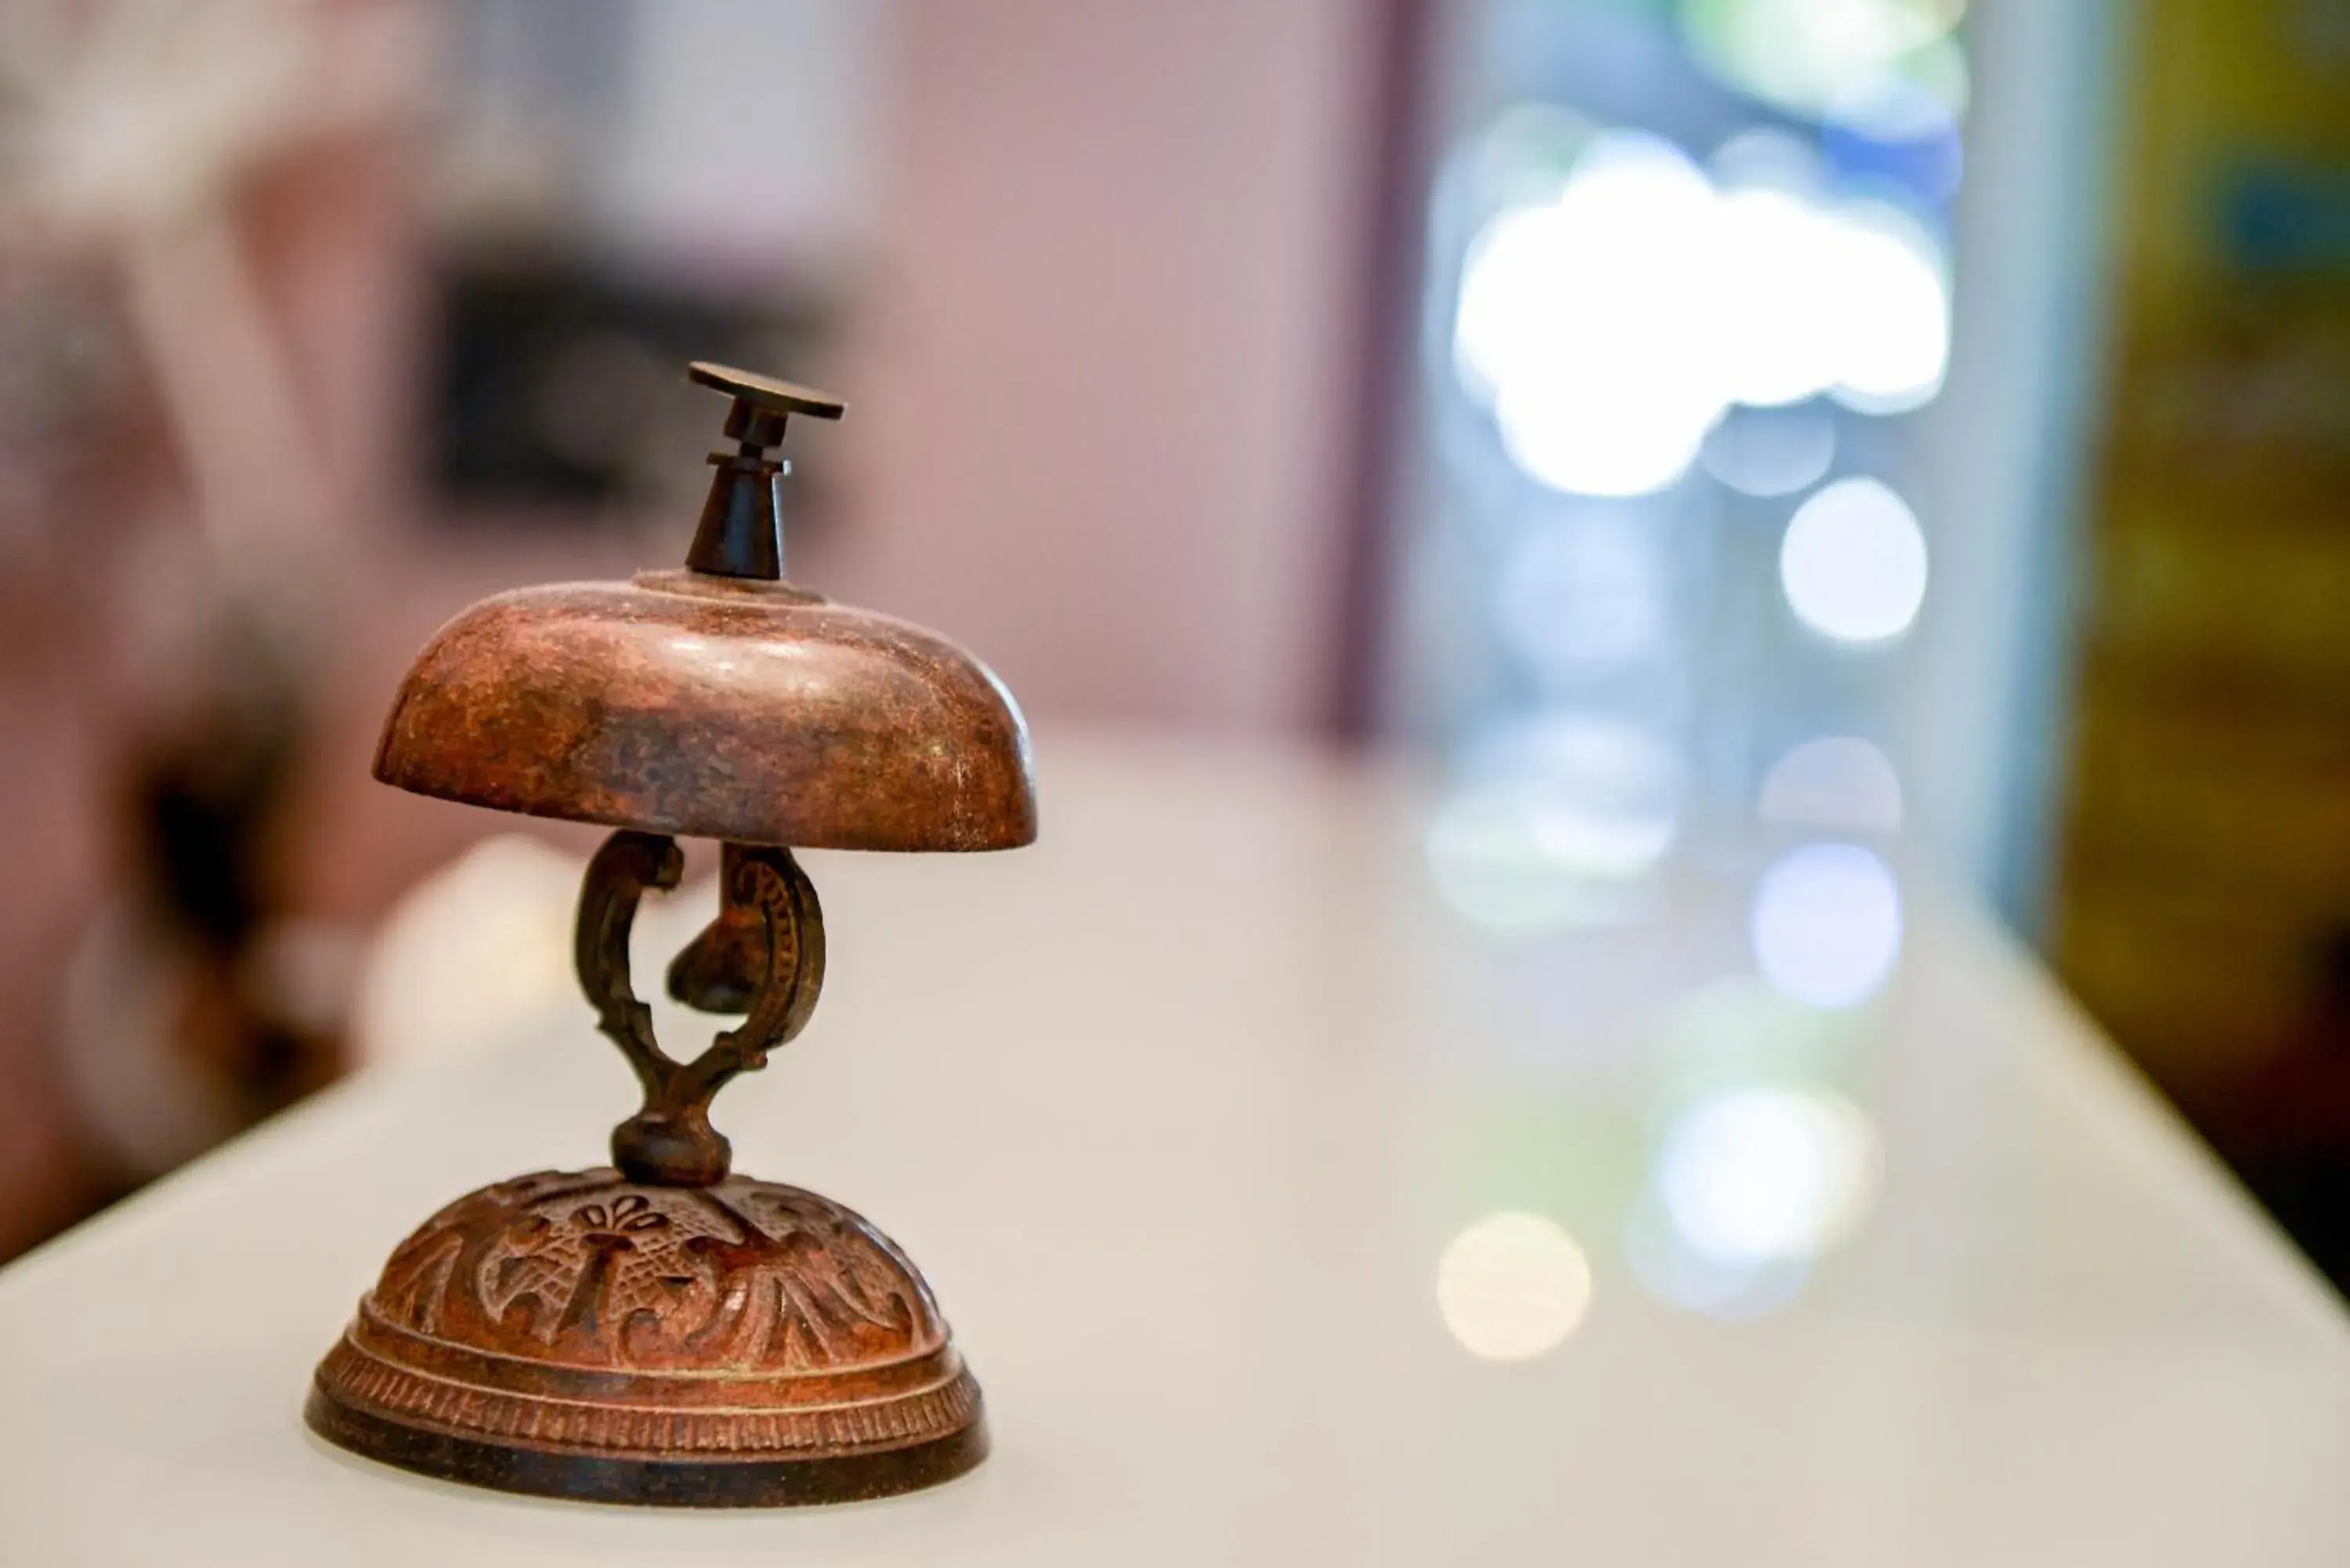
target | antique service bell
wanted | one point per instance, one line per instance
(665, 1331)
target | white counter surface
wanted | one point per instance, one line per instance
(1180, 1111)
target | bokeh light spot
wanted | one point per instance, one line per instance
(1733, 1290)
(1798, 53)
(1839, 782)
(1826, 924)
(1770, 451)
(1891, 127)
(1559, 821)
(1583, 598)
(1757, 1175)
(1786, 311)
(1893, 319)
(1579, 323)
(1512, 1286)
(1853, 563)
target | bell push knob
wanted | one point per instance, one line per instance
(741, 529)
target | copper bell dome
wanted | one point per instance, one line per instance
(717, 701)
(662, 1329)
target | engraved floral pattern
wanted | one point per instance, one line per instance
(593, 1270)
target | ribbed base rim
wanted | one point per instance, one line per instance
(654, 1483)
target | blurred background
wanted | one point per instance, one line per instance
(1914, 430)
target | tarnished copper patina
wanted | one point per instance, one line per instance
(662, 1331)
(716, 708)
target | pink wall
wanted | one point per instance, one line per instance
(1098, 396)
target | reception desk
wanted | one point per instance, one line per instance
(1296, 1205)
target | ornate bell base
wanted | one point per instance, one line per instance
(654, 1483)
(582, 1335)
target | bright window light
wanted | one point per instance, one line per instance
(1610, 328)
(1583, 323)
(1893, 328)
(1784, 307)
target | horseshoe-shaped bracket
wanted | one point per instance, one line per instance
(670, 1142)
